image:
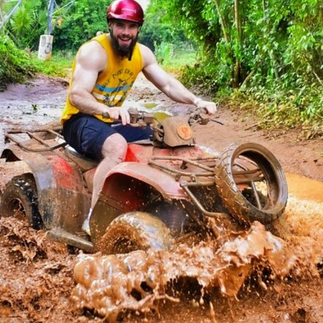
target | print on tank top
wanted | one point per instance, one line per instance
(114, 91)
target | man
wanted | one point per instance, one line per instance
(105, 68)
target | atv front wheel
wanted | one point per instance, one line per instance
(19, 200)
(251, 183)
(135, 231)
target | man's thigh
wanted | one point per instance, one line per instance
(86, 134)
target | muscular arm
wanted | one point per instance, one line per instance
(168, 84)
(90, 61)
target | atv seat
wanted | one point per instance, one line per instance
(85, 163)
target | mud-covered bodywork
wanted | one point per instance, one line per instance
(178, 183)
(151, 177)
(148, 176)
(62, 199)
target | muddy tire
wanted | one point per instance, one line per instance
(19, 200)
(135, 231)
(251, 183)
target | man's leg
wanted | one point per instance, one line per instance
(97, 140)
(114, 151)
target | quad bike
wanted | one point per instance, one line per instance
(167, 187)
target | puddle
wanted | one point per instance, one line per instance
(305, 188)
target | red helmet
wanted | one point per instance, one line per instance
(126, 10)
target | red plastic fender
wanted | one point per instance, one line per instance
(62, 200)
(66, 176)
(139, 153)
(164, 183)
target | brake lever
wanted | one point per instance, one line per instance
(216, 121)
(201, 117)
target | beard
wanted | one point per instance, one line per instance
(123, 51)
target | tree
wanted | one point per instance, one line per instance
(268, 39)
(157, 30)
(27, 23)
(80, 24)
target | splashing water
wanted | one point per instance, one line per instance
(135, 281)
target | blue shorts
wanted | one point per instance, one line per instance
(86, 134)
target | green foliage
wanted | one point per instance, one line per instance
(199, 77)
(174, 58)
(279, 107)
(158, 33)
(15, 64)
(58, 65)
(27, 23)
(274, 59)
(83, 20)
(267, 53)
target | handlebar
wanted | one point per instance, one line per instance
(166, 132)
(140, 118)
(143, 118)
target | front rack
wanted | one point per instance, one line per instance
(203, 177)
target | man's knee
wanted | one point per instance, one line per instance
(115, 147)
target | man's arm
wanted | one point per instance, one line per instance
(168, 84)
(90, 61)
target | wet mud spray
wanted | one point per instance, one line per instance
(259, 275)
(42, 281)
(136, 281)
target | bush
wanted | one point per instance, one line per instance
(15, 64)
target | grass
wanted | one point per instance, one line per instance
(59, 64)
(174, 59)
(179, 60)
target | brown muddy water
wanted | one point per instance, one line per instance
(136, 281)
(257, 275)
(44, 281)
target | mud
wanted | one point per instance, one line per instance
(281, 281)
(36, 275)
(136, 281)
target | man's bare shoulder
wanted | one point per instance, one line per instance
(147, 55)
(92, 53)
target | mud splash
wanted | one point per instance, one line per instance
(35, 275)
(111, 284)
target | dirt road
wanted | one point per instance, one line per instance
(36, 275)
(41, 102)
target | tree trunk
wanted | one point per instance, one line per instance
(222, 21)
(237, 19)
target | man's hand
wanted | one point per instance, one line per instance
(119, 114)
(209, 106)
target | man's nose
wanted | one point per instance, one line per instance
(126, 30)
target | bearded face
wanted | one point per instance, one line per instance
(124, 36)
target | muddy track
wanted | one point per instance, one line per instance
(36, 275)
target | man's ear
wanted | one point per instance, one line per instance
(110, 25)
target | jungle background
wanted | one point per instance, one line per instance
(261, 55)
(261, 61)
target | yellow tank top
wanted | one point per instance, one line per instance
(114, 82)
